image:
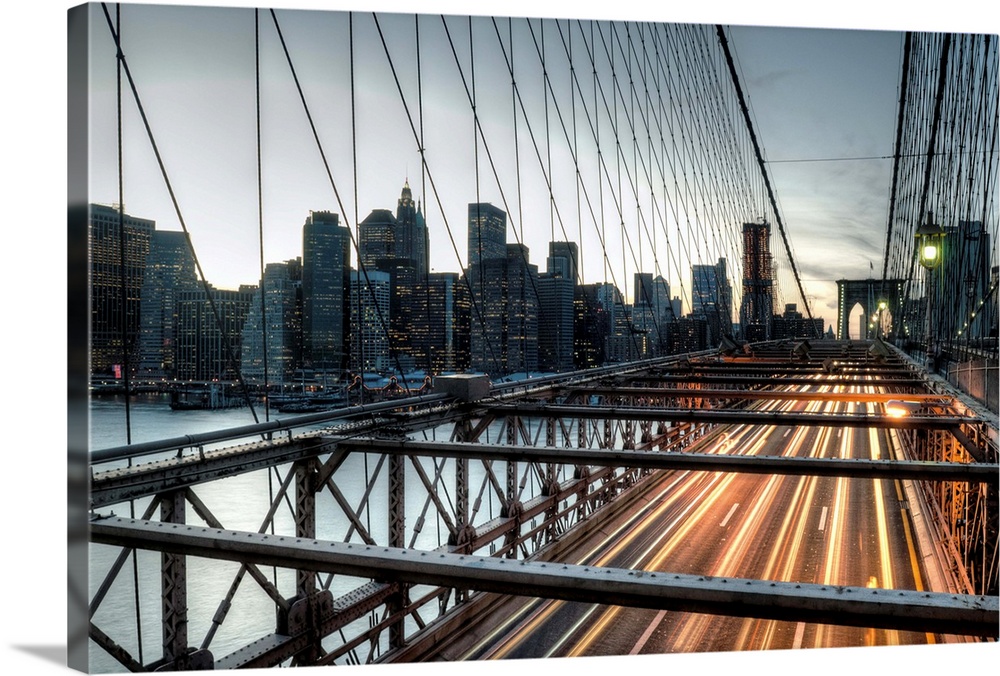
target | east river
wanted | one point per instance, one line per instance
(238, 503)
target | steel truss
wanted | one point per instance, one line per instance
(512, 477)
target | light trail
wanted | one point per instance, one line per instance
(792, 517)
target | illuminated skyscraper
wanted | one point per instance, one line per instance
(398, 246)
(210, 331)
(370, 318)
(487, 233)
(556, 308)
(503, 325)
(712, 299)
(326, 282)
(441, 326)
(116, 279)
(273, 350)
(170, 269)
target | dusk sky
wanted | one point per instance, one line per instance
(824, 105)
(835, 213)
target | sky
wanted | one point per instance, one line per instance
(34, 172)
(824, 104)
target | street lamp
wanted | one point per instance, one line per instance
(930, 237)
(882, 306)
(897, 408)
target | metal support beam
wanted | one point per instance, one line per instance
(733, 417)
(707, 462)
(173, 586)
(827, 604)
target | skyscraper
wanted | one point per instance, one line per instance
(556, 308)
(398, 245)
(441, 327)
(563, 260)
(209, 332)
(487, 233)
(757, 306)
(116, 279)
(272, 350)
(591, 328)
(412, 240)
(503, 325)
(326, 282)
(170, 269)
(370, 318)
(619, 345)
(647, 314)
(711, 299)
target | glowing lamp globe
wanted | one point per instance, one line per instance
(929, 239)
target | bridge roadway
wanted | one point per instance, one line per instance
(807, 529)
(829, 518)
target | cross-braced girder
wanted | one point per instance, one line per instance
(519, 480)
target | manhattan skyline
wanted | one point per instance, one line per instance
(827, 149)
(35, 134)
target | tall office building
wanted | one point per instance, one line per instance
(272, 334)
(688, 334)
(642, 288)
(487, 233)
(712, 299)
(370, 319)
(398, 246)
(377, 239)
(662, 307)
(210, 332)
(757, 305)
(563, 260)
(650, 312)
(412, 241)
(619, 342)
(556, 298)
(592, 326)
(503, 325)
(116, 280)
(326, 283)
(441, 326)
(170, 269)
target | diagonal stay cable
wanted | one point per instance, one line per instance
(173, 198)
(425, 167)
(763, 167)
(336, 192)
(538, 155)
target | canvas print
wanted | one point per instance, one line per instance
(408, 338)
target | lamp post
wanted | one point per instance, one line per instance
(880, 331)
(930, 237)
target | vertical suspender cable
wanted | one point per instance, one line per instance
(124, 314)
(425, 264)
(260, 218)
(358, 304)
(122, 290)
(763, 169)
(163, 172)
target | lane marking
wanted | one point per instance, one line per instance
(730, 514)
(646, 634)
(822, 519)
(800, 629)
(787, 432)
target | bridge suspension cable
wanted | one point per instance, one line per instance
(945, 172)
